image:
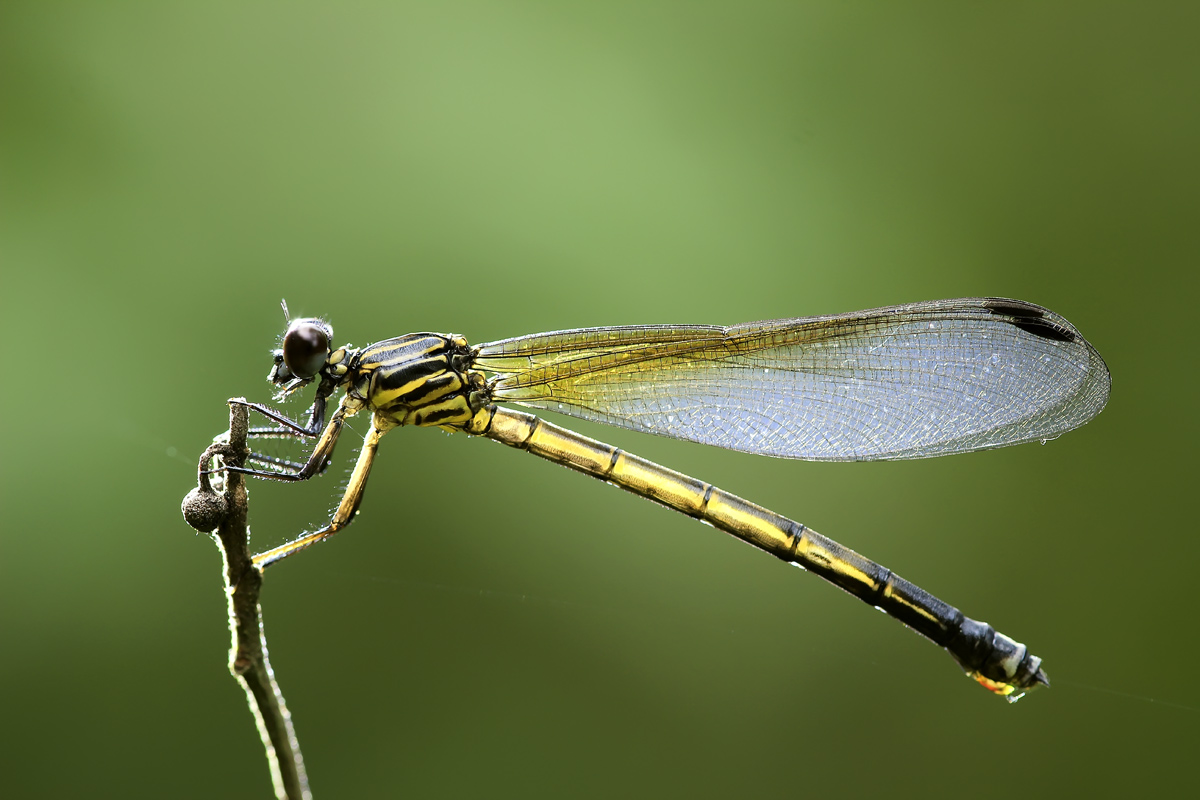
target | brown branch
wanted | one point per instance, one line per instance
(222, 511)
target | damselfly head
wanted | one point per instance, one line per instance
(306, 346)
(305, 351)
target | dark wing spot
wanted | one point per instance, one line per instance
(1030, 319)
(1045, 329)
(1013, 308)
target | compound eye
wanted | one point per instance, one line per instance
(305, 347)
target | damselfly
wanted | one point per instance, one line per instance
(911, 381)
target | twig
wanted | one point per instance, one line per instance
(222, 511)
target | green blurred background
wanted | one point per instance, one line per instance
(494, 626)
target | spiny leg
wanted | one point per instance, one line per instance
(345, 510)
(317, 461)
(281, 466)
(287, 426)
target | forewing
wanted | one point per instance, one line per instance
(912, 381)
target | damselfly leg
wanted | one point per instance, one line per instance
(319, 460)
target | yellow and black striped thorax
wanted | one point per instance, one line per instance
(418, 379)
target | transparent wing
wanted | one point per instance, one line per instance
(911, 381)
